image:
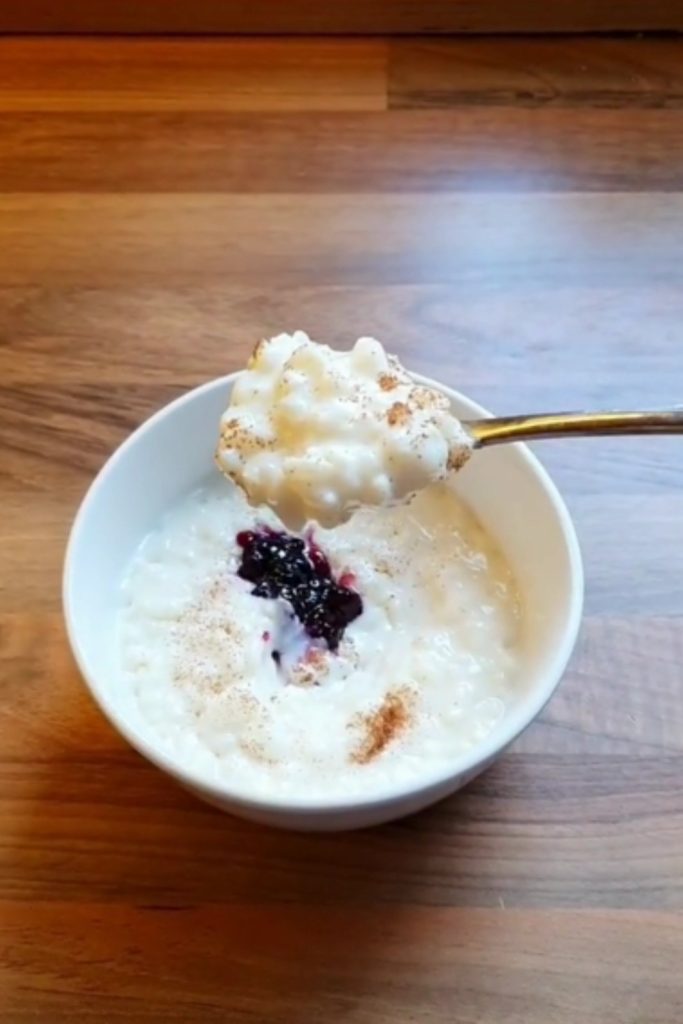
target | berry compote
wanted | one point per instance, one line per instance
(281, 565)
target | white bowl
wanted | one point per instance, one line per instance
(172, 453)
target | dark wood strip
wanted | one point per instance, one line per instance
(525, 833)
(181, 241)
(474, 149)
(355, 964)
(603, 340)
(340, 16)
(570, 71)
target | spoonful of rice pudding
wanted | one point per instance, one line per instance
(315, 433)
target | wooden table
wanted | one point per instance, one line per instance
(507, 216)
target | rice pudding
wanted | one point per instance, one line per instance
(315, 433)
(413, 659)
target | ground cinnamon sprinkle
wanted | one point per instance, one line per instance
(458, 457)
(387, 382)
(399, 413)
(383, 725)
(311, 669)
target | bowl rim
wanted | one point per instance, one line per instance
(467, 764)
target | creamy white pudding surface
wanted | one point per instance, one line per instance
(316, 433)
(229, 684)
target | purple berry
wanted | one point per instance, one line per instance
(281, 565)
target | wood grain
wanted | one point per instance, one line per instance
(588, 953)
(535, 71)
(512, 225)
(192, 75)
(475, 149)
(341, 16)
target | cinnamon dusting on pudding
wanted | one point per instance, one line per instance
(225, 682)
(315, 433)
(457, 457)
(382, 726)
(423, 398)
(387, 381)
(311, 669)
(256, 751)
(398, 414)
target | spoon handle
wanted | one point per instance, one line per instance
(573, 424)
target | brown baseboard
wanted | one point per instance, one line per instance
(274, 17)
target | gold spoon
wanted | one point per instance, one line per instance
(573, 424)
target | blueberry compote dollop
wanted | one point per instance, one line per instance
(281, 565)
